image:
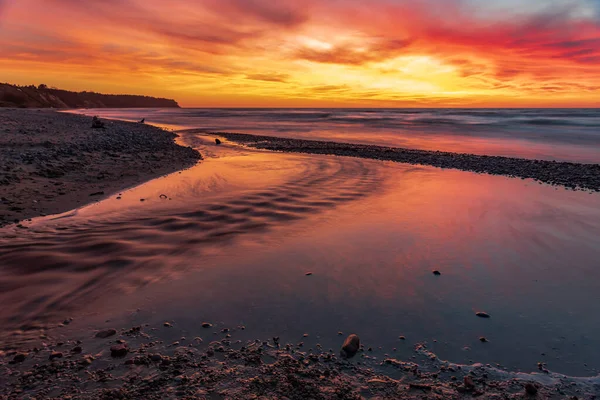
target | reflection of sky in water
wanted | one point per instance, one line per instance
(531, 133)
(371, 233)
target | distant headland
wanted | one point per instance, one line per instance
(43, 96)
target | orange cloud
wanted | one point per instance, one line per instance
(293, 52)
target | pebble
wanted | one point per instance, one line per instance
(206, 325)
(55, 354)
(167, 325)
(350, 346)
(119, 350)
(531, 389)
(437, 273)
(482, 314)
(483, 339)
(106, 333)
(308, 274)
(468, 381)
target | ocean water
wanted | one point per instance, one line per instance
(550, 134)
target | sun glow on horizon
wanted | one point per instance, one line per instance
(310, 53)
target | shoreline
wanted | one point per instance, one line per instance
(140, 362)
(570, 175)
(55, 162)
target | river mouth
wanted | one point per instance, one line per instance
(231, 241)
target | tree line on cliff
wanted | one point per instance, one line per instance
(43, 96)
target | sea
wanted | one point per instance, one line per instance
(548, 134)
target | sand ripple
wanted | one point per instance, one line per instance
(59, 266)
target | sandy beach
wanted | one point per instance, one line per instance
(240, 277)
(55, 162)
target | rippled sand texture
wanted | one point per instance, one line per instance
(58, 265)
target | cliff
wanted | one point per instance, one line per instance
(45, 97)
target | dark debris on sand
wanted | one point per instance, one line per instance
(145, 367)
(570, 175)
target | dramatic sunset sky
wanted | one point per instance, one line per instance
(280, 53)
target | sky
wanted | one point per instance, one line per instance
(311, 53)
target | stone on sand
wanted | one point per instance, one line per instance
(350, 346)
(482, 314)
(119, 350)
(531, 389)
(106, 333)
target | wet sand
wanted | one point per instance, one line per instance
(231, 244)
(55, 162)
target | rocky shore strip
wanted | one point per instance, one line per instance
(53, 162)
(139, 363)
(567, 174)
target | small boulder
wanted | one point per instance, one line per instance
(468, 381)
(217, 141)
(531, 389)
(119, 350)
(483, 339)
(20, 357)
(97, 124)
(106, 333)
(437, 273)
(350, 346)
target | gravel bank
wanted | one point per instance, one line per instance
(53, 162)
(570, 175)
(139, 363)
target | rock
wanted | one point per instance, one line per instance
(308, 274)
(97, 124)
(469, 384)
(217, 141)
(119, 350)
(106, 333)
(482, 314)
(156, 357)
(55, 354)
(76, 349)
(87, 360)
(437, 273)
(167, 325)
(483, 339)
(531, 389)
(97, 193)
(20, 357)
(350, 346)
(163, 196)
(206, 325)
(402, 338)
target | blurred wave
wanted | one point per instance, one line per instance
(551, 134)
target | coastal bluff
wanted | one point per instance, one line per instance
(43, 96)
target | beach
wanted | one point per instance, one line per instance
(265, 240)
(55, 162)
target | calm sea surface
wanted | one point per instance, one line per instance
(552, 134)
